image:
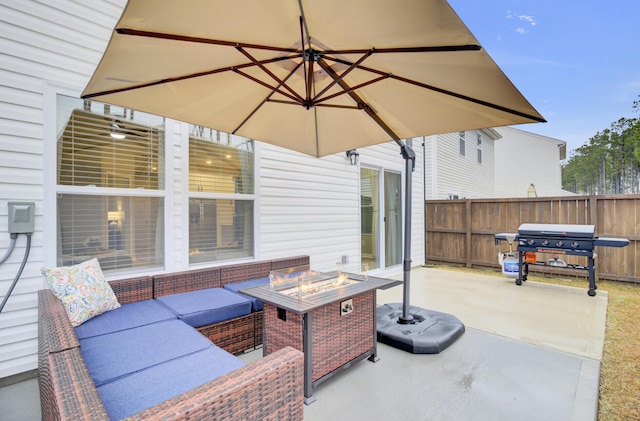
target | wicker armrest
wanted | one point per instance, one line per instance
(270, 388)
(67, 391)
(55, 332)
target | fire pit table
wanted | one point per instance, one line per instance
(331, 317)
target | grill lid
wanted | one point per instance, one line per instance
(557, 230)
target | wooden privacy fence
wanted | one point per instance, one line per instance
(461, 232)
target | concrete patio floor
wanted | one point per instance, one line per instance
(530, 352)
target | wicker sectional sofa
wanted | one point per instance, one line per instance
(270, 388)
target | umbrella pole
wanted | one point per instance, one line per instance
(410, 165)
(430, 331)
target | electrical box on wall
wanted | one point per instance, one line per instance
(21, 215)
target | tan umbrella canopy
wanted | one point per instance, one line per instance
(315, 76)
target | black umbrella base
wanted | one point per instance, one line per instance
(430, 332)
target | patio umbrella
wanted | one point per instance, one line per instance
(315, 76)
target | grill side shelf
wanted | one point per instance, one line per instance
(610, 242)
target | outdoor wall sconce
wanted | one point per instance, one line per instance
(353, 156)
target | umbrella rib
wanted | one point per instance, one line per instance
(349, 107)
(268, 72)
(443, 91)
(353, 88)
(281, 101)
(185, 77)
(345, 73)
(361, 104)
(199, 40)
(426, 49)
(266, 85)
(267, 99)
(309, 80)
(304, 60)
(470, 99)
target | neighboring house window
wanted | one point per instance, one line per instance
(221, 195)
(463, 145)
(479, 148)
(109, 185)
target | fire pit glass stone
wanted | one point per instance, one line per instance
(304, 284)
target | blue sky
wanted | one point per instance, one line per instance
(577, 62)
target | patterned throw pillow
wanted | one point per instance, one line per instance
(82, 289)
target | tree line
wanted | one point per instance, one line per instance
(609, 163)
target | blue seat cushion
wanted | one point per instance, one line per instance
(131, 394)
(111, 356)
(206, 306)
(128, 316)
(256, 305)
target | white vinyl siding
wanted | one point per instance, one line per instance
(309, 206)
(312, 206)
(448, 174)
(41, 41)
(524, 158)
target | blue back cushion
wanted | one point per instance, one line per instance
(128, 316)
(206, 306)
(114, 355)
(131, 394)
(256, 305)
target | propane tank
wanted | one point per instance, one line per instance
(510, 267)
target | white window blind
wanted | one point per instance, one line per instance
(110, 182)
(221, 185)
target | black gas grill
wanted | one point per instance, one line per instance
(559, 239)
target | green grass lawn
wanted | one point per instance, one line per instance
(620, 370)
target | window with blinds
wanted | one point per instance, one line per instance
(221, 190)
(110, 185)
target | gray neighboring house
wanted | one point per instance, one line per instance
(528, 164)
(501, 162)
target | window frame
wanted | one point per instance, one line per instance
(252, 197)
(462, 143)
(175, 194)
(52, 189)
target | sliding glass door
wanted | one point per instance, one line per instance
(381, 218)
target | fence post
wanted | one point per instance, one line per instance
(593, 211)
(593, 216)
(467, 223)
(426, 234)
